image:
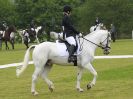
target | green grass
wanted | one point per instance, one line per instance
(114, 77)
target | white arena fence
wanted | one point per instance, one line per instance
(96, 57)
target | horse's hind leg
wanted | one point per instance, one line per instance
(34, 80)
(12, 43)
(92, 70)
(44, 74)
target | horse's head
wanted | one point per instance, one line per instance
(105, 43)
(39, 29)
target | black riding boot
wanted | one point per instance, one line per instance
(71, 52)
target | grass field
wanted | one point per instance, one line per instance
(115, 77)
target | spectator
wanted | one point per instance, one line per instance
(113, 32)
(1, 34)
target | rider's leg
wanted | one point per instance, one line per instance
(71, 51)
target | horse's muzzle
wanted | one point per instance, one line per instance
(106, 51)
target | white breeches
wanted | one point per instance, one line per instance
(71, 40)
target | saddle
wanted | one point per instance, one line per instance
(74, 57)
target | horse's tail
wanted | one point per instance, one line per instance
(21, 69)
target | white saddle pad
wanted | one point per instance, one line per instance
(62, 49)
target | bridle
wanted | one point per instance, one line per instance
(106, 46)
(101, 46)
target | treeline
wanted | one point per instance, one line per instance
(49, 13)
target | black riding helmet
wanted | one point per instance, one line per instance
(67, 8)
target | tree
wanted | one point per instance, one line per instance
(7, 11)
(118, 12)
(49, 13)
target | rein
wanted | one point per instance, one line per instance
(93, 43)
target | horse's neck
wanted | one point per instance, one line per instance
(93, 41)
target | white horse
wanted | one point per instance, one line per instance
(47, 53)
(96, 27)
(56, 35)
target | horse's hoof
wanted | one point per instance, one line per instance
(80, 90)
(34, 93)
(51, 88)
(89, 86)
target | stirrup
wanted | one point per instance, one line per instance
(71, 59)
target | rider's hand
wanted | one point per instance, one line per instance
(80, 35)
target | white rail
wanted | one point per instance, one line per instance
(96, 57)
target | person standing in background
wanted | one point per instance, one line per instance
(113, 32)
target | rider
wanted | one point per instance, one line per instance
(4, 26)
(69, 32)
(97, 22)
(26, 37)
(32, 25)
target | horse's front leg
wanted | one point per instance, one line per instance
(37, 39)
(26, 42)
(89, 67)
(79, 76)
(6, 45)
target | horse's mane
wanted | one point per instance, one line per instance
(96, 32)
(90, 34)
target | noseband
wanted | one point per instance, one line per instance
(106, 46)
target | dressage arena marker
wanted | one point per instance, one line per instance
(96, 57)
